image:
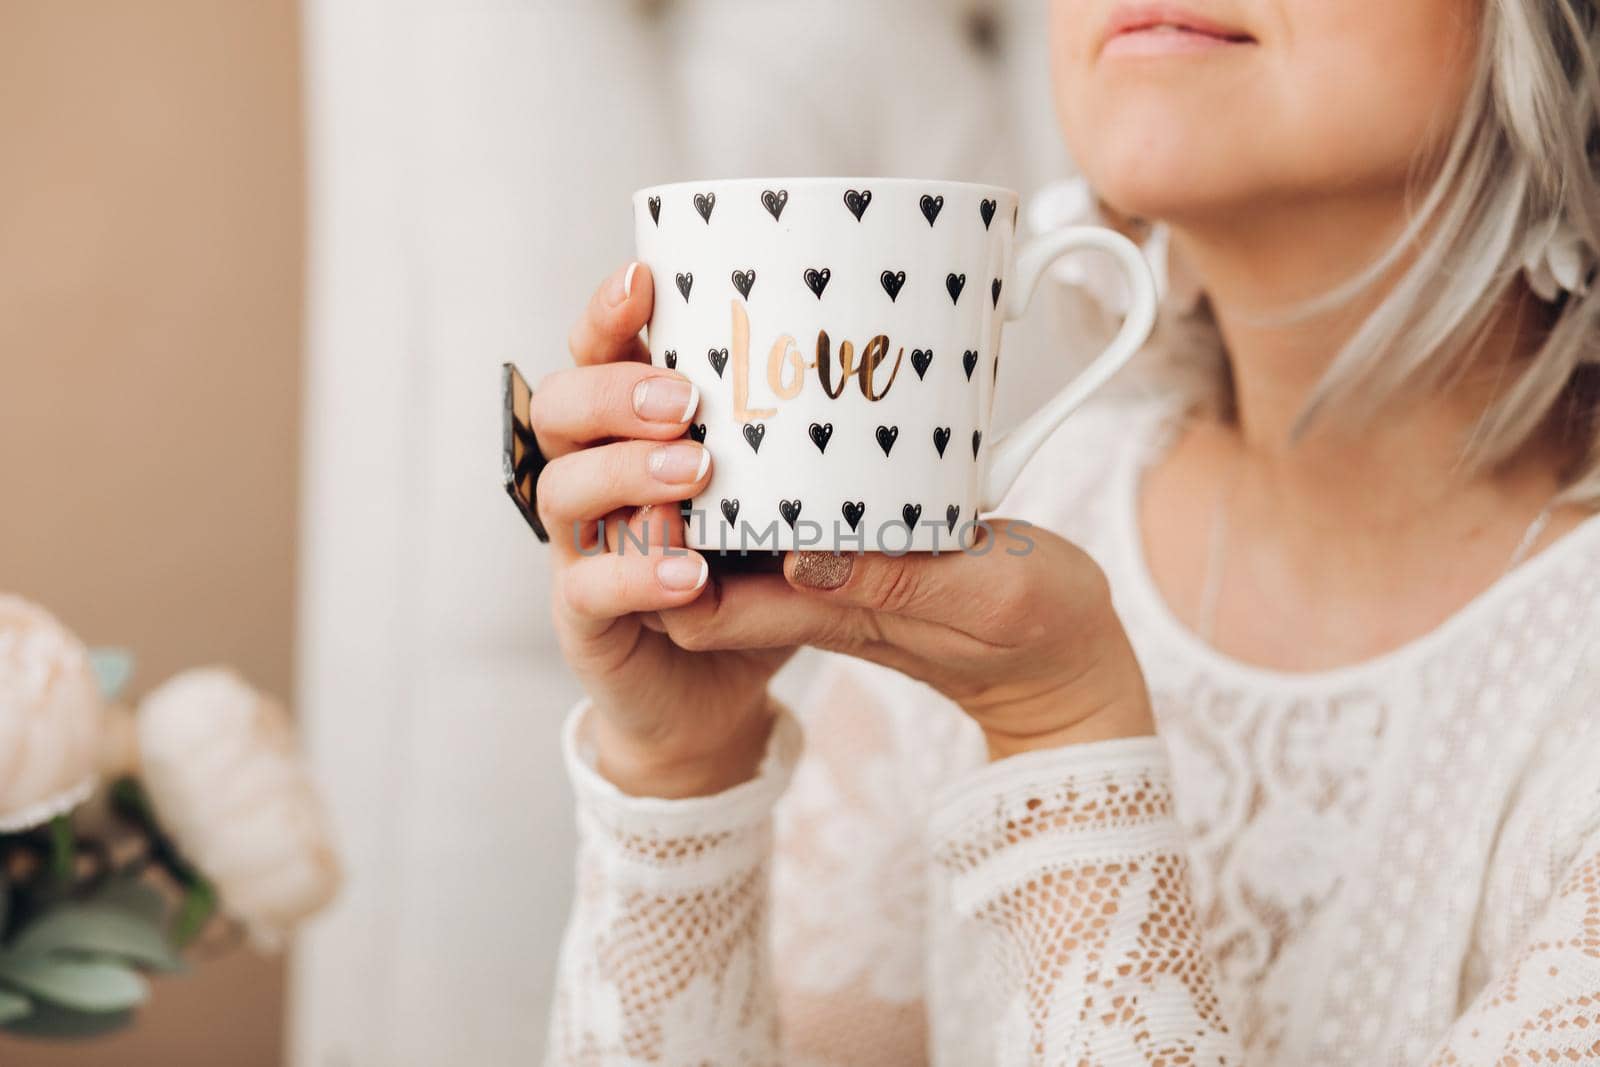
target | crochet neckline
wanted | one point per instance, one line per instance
(1127, 537)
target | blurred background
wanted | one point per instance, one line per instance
(259, 264)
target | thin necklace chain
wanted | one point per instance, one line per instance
(1217, 549)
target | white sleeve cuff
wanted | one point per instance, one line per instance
(1013, 820)
(675, 844)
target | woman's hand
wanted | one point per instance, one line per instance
(666, 722)
(1021, 632)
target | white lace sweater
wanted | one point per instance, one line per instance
(1393, 863)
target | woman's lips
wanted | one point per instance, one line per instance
(1159, 30)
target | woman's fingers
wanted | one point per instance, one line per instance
(655, 524)
(592, 591)
(608, 332)
(579, 488)
(914, 585)
(644, 569)
(761, 611)
(626, 397)
(581, 405)
(892, 609)
(651, 525)
(988, 592)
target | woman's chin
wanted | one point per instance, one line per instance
(1160, 155)
(1164, 194)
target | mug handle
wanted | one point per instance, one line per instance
(1012, 452)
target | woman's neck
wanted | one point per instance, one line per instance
(1259, 272)
(1353, 536)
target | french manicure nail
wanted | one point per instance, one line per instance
(679, 463)
(682, 573)
(663, 399)
(621, 285)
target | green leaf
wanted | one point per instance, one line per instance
(113, 667)
(99, 930)
(13, 1006)
(85, 985)
(198, 905)
(63, 850)
(128, 800)
(52, 1021)
(129, 893)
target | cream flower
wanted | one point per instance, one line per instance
(220, 766)
(50, 712)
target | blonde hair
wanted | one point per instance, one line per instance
(1523, 161)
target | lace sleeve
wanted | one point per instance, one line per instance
(1544, 1005)
(1069, 865)
(665, 959)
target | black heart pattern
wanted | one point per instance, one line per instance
(817, 280)
(953, 284)
(887, 436)
(857, 201)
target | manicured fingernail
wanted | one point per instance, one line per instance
(682, 573)
(679, 463)
(822, 570)
(663, 399)
(621, 285)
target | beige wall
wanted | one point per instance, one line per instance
(150, 291)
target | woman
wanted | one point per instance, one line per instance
(1283, 746)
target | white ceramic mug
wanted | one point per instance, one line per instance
(845, 337)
